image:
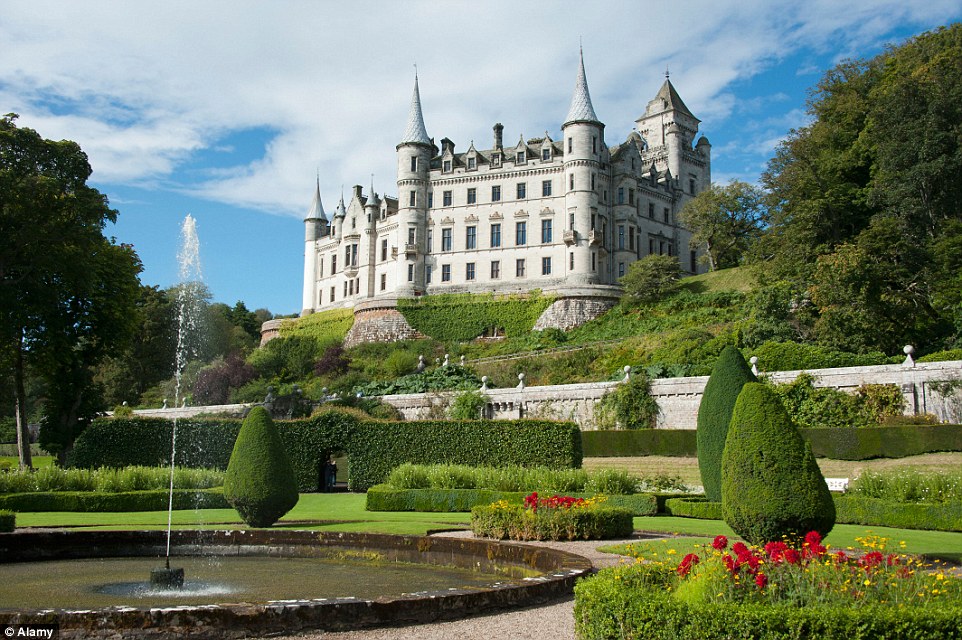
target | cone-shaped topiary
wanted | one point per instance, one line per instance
(715, 413)
(771, 486)
(260, 481)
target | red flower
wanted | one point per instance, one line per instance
(792, 556)
(813, 539)
(841, 557)
(872, 559)
(720, 543)
(687, 563)
(741, 551)
(730, 563)
(761, 580)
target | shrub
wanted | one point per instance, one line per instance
(942, 356)
(123, 411)
(640, 442)
(811, 407)
(728, 376)
(213, 384)
(629, 405)
(653, 278)
(771, 485)
(884, 442)
(513, 478)
(108, 480)
(8, 521)
(875, 512)
(103, 502)
(794, 356)
(332, 362)
(694, 507)
(464, 317)
(555, 518)
(468, 405)
(260, 482)
(909, 485)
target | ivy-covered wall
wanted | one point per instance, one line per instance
(464, 317)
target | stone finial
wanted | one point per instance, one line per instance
(908, 350)
(447, 360)
(484, 384)
(463, 360)
(184, 403)
(754, 362)
(165, 404)
(421, 364)
(437, 361)
(520, 386)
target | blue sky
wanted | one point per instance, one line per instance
(228, 110)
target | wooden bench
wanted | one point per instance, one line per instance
(837, 484)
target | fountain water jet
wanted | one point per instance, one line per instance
(188, 295)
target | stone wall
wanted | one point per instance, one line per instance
(379, 321)
(574, 310)
(678, 398)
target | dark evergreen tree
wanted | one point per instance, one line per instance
(772, 487)
(728, 376)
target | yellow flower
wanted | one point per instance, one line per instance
(867, 582)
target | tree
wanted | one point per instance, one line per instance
(727, 221)
(772, 487)
(651, 279)
(66, 291)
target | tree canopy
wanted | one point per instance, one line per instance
(727, 220)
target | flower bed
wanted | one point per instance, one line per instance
(776, 591)
(552, 518)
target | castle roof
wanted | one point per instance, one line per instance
(414, 132)
(581, 109)
(317, 208)
(341, 210)
(671, 101)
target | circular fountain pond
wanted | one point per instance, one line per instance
(266, 582)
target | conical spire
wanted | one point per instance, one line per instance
(670, 100)
(415, 133)
(372, 200)
(341, 210)
(317, 208)
(581, 109)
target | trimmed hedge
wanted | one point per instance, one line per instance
(633, 602)
(384, 497)
(515, 522)
(374, 448)
(640, 442)
(95, 501)
(834, 443)
(694, 507)
(902, 515)
(8, 521)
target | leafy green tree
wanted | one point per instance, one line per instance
(651, 279)
(772, 487)
(728, 376)
(727, 221)
(260, 482)
(629, 405)
(67, 293)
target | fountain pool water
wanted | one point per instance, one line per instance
(264, 582)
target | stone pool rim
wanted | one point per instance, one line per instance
(559, 569)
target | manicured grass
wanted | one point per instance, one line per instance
(734, 279)
(13, 462)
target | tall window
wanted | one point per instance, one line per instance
(496, 235)
(631, 238)
(383, 249)
(546, 188)
(496, 193)
(594, 144)
(472, 195)
(413, 199)
(571, 182)
(621, 195)
(651, 210)
(430, 200)
(471, 238)
(332, 294)
(333, 264)
(571, 261)
(430, 240)
(667, 215)
(414, 163)
(594, 261)
(621, 269)
(691, 186)
(446, 199)
(445, 273)
(469, 271)
(545, 231)
(410, 273)
(427, 274)
(519, 267)
(592, 182)
(569, 145)
(621, 236)
(320, 268)
(446, 239)
(383, 281)
(495, 269)
(412, 233)
(522, 190)
(546, 266)
(631, 196)
(520, 233)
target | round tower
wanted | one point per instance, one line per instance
(315, 225)
(413, 167)
(584, 149)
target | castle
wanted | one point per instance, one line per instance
(566, 216)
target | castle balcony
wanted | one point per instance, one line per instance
(411, 250)
(594, 237)
(350, 270)
(569, 236)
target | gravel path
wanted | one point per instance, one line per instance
(551, 622)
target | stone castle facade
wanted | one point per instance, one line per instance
(565, 215)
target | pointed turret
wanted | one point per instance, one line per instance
(341, 210)
(317, 207)
(415, 132)
(581, 109)
(667, 99)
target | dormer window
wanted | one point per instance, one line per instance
(520, 158)
(446, 166)
(495, 159)
(546, 154)
(472, 163)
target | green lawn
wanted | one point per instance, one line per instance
(13, 462)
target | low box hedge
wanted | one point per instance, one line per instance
(693, 507)
(514, 522)
(629, 603)
(8, 521)
(95, 501)
(384, 497)
(639, 442)
(901, 515)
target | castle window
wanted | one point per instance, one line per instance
(651, 246)
(413, 199)
(667, 215)
(383, 249)
(546, 266)
(496, 235)
(631, 238)
(571, 221)
(446, 166)
(651, 210)
(383, 281)
(414, 163)
(571, 182)
(349, 292)
(446, 239)
(545, 188)
(430, 199)
(546, 154)
(412, 236)
(519, 268)
(410, 273)
(320, 268)
(621, 195)
(569, 144)
(571, 261)
(621, 269)
(694, 262)
(495, 269)
(472, 163)
(471, 238)
(545, 231)
(333, 264)
(691, 186)
(520, 233)
(631, 196)
(522, 190)
(496, 159)
(446, 199)
(445, 273)
(621, 237)
(520, 158)
(594, 261)
(427, 274)
(332, 294)
(472, 195)
(469, 271)
(592, 182)
(430, 240)
(496, 193)
(594, 144)
(593, 220)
